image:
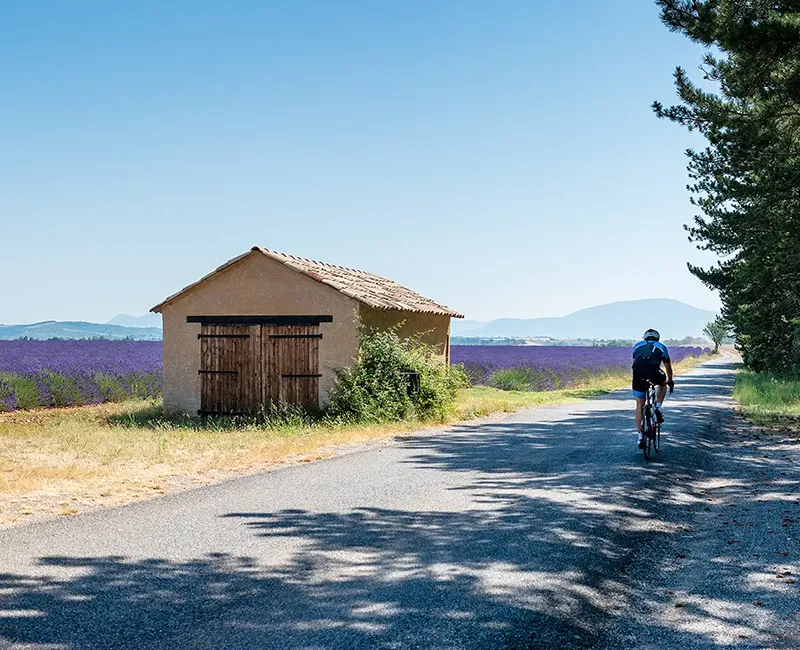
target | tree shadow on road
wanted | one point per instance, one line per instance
(550, 553)
(368, 579)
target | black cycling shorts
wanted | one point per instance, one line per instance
(643, 375)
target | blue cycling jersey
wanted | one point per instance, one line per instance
(649, 353)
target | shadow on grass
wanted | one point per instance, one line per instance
(151, 416)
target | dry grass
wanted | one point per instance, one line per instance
(64, 461)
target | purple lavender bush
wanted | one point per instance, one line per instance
(541, 368)
(37, 374)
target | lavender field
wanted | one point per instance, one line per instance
(36, 374)
(65, 373)
(541, 368)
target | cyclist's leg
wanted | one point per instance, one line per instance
(661, 394)
(640, 401)
(659, 381)
(639, 413)
(639, 387)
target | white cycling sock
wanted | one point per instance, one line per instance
(641, 435)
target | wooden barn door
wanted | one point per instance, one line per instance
(291, 364)
(245, 366)
(230, 369)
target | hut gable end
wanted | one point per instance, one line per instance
(254, 285)
(367, 288)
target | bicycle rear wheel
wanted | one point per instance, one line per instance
(648, 425)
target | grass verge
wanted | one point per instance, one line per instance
(64, 461)
(768, 400)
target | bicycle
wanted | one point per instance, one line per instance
(652, 428)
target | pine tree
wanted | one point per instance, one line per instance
(746, 182)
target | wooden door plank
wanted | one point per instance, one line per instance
(254, 359)
(274, 387)
(255, 368)
(213, 397)
(271, 377)
(204, 365)
(240, 353)
(274, 370)
(269, 374)
(213, 365)
(234, 381)
(264, 364)
(222, 378)
(306, 394)
(287, 350)
(299, 365)
(290, 368)
(297, 362)
(225, 379)
(314, 397)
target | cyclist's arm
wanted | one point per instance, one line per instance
(665, 358)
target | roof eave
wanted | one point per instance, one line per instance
(435, 312)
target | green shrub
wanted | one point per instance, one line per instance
(377, 387)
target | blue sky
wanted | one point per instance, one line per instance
(500, 157)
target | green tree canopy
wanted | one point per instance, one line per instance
(746, 182)
(717, 330)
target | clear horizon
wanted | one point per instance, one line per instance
(501, 159)
(467, 318)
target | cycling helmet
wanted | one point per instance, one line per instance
(651, 335)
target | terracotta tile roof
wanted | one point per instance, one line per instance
(368, 288)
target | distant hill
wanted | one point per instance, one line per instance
(617, 320)
(78, 330)
(148, 320)
(461, 327)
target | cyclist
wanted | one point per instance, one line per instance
(648, 355)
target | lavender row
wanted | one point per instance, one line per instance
(63, 373)
(67, 373)
(541, 368)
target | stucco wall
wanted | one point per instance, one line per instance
(433, 329)
(254, 286)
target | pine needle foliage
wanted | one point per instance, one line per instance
(746, 181)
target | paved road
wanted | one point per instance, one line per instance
(544, 529)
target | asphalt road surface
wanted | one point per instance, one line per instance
(542, 529)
